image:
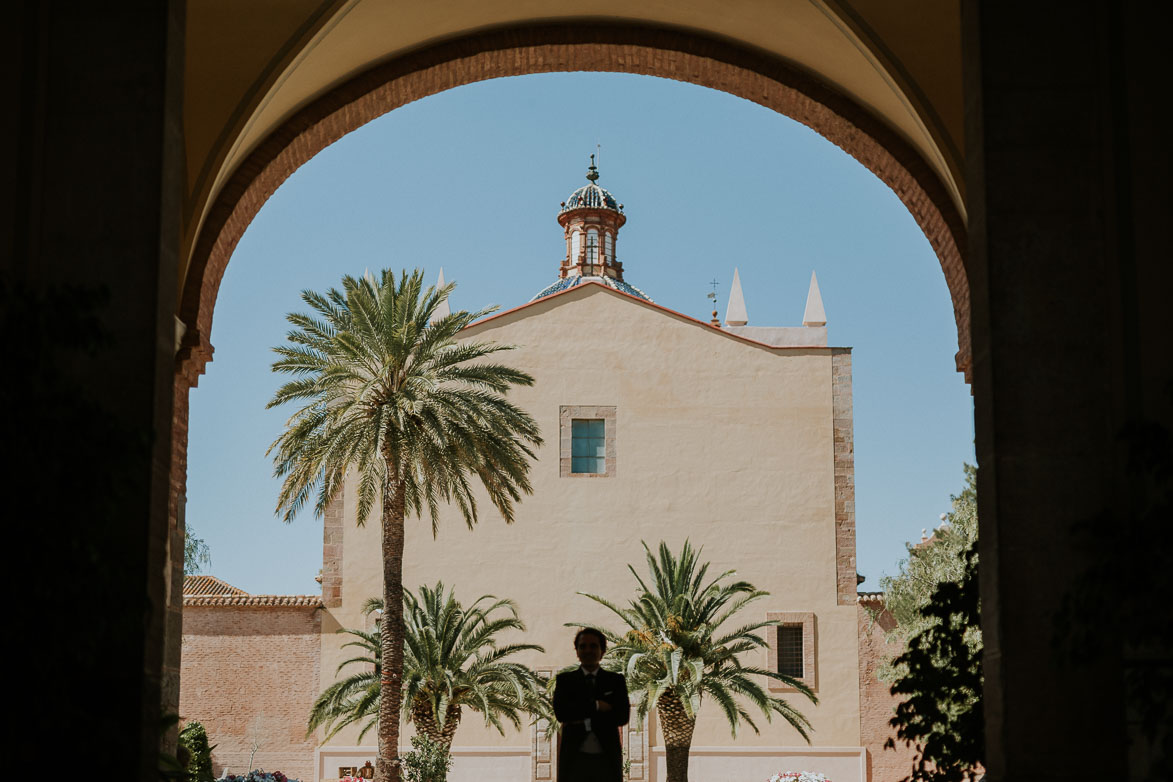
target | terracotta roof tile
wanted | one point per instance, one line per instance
(211, 591)
(208, 585)
(309, 601)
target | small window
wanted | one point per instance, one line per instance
(575, 243)
(608, 247)
(790, 650)
(586, 441)
(592, 246)
(588, 446)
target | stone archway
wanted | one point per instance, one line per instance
(602, 47)
(644, 50)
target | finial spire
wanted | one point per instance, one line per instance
(735, 314)
(593, 171)
(814, 314)
(442, 309)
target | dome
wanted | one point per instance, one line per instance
(610, 282)
(591, 197)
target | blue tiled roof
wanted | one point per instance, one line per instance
(610, 282)
(591, 197)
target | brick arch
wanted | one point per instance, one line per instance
(669, 53)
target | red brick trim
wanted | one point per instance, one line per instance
(844, 457)
(582, 46)
(332, 532)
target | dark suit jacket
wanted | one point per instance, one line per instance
(574, 701)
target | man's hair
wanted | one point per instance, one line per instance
(591, 631)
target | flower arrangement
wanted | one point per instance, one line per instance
(258, 775)
(798, 776)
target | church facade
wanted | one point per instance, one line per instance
(657, 427)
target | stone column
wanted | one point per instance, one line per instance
(1067, 261)
(94, 180)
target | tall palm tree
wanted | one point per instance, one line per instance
(451, 660)
(674, 653)
(386, 389)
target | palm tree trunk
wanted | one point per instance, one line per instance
(427, 724)
(677, 727)
(391, 631)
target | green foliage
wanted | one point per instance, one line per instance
(194, 739)
(389, 391)
(451, 659)
(196, 554)
(941, 680)
(942, 559)
(428, 761)
(674, 643)
(935, 601)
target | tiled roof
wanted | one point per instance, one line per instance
(314, 601)
(591, 197)
(569, 282)
(206, 586)
(870, 597)
(211, 591)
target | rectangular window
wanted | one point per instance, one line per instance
(588, 446)
(790, 650)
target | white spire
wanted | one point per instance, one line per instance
(442, 310)
(814, 315)
(735, 314)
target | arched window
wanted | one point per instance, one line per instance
(592, 248)
(575, 243)
(608, 247)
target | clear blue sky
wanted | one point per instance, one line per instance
(471, 179)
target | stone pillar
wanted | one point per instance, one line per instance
(1066, 264)
(89, 249)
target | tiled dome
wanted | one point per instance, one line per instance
(610, 282)
(591, 197)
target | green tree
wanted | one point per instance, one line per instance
(194, 739)
(674, 652)
(934, 600)
(941, 681)
(196, 554)
(386, 389)
(940, 559)
(452, 660)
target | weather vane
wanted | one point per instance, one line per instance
(713, 298)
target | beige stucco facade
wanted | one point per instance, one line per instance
(717, 438)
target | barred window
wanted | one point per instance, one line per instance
(790, 650)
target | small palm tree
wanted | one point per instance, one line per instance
(387, 390)
(674, 654)
(452, 660)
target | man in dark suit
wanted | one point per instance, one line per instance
(592, 705)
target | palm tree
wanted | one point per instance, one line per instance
(451, 660)
(387, 390)
(674, 655)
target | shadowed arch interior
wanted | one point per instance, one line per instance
(652, 51)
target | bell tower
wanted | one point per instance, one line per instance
(591, 219)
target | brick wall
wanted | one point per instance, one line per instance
(252, 671)
(876, 703)
(844, 455)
